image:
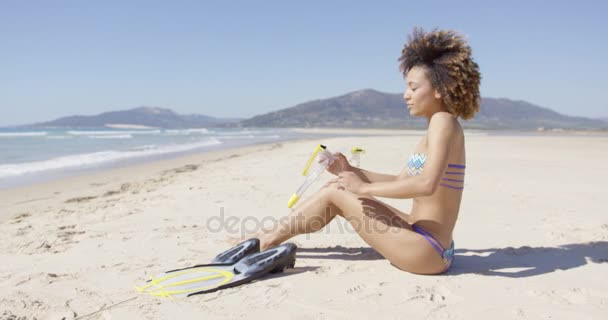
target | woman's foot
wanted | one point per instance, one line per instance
(267, 241)
(234, 239)
(268, 238)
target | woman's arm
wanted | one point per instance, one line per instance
(442, 129)
(373, 177)
(341, 164)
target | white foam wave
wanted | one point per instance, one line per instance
(144, 147)
(250, 136)
(185, 132)
(22, 134)
(97, 158)
(111, 132)
(107, 136)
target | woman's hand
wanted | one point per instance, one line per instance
(339, 165)
(348, 180)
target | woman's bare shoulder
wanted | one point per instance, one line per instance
(444, 122)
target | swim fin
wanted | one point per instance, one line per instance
(238, 252)
(207, 278)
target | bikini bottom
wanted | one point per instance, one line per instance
(446, 254)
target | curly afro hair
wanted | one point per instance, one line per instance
(446, 57)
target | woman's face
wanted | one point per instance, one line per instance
(420, 96)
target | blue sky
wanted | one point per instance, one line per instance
(241, 58)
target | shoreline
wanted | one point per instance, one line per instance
(324, 133)
(97, 178)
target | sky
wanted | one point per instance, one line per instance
(243, 58)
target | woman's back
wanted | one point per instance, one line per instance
(438, 212)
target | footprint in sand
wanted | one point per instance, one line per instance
(111, 193)
(23, 230)
(24, 306)
(429, 295)
(365, 291)
(65, 238)
(20, 217)
(67, 234)
(355, 289)
(42, 278)
(65, 211)
(186, 168)
(323, 270)
(123, 188)
(80, 199)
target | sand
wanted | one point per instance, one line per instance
(532, 238)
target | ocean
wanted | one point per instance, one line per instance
(28, 156)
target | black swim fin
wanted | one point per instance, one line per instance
(238, 252)
(207, 278)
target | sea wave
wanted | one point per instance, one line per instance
(111, 132)
(108, 136)
(23, 134)
(144, 147)
(246, 137)
(186, 132)
(98, 158)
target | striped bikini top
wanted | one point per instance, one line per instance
(453, 177)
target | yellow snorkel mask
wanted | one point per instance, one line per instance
(322, 164)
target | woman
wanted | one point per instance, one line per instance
(442, 82)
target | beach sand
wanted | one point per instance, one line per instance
(531, 240)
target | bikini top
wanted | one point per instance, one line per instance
(453, 177)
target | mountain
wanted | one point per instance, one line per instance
(509, 114)
(363, 108)
(360, 109)
(373, 109)
(142, 116)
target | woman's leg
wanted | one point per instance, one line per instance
(381, 226)
(308, 216)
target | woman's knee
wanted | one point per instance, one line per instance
(329, 191)
(328, 195)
